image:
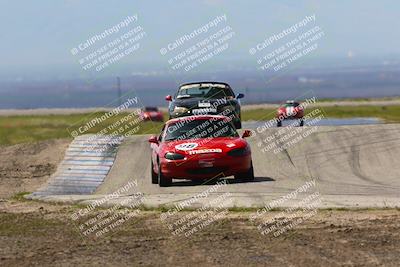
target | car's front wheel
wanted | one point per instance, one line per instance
(246, 176)
(238, 124)
(162, 180)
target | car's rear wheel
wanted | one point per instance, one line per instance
(154, 176)
(246, 176)
(279, 123)
(162, 180)
(301, 122)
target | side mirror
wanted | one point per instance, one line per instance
(168, 98)
(246, 133)
(240, 95)
(153, 139)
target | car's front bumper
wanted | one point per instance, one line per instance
(205, 166)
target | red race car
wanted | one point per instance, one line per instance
(199, 148)
(290, 111)
(151, 113)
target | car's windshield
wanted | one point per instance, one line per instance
(204, 90)
(295, 104)
(149, 109)
(195, 129)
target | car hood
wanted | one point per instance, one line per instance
(205, 145)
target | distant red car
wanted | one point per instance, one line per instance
(151, 113)
(199, 148)
(291, 110)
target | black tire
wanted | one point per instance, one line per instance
(246, 176)
(238, 124)
(154, 176)
(279, 124)
(301, 122)
(162, 180)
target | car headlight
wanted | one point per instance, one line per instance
(180, 110)
(230, 107)
(239, 152)
(174, 156)
(228, 111)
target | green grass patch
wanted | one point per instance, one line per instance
(20, 196)
(34, 225)
(389, 98)
(259, 114)
(23, 129)
(387, 113)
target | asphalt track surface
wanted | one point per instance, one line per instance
(352, 166)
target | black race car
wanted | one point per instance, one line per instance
(201, 98)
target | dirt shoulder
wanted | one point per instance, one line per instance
(25, 167)
(39, 234)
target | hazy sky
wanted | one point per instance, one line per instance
(42, 33)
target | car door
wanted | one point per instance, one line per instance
(155, 149)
